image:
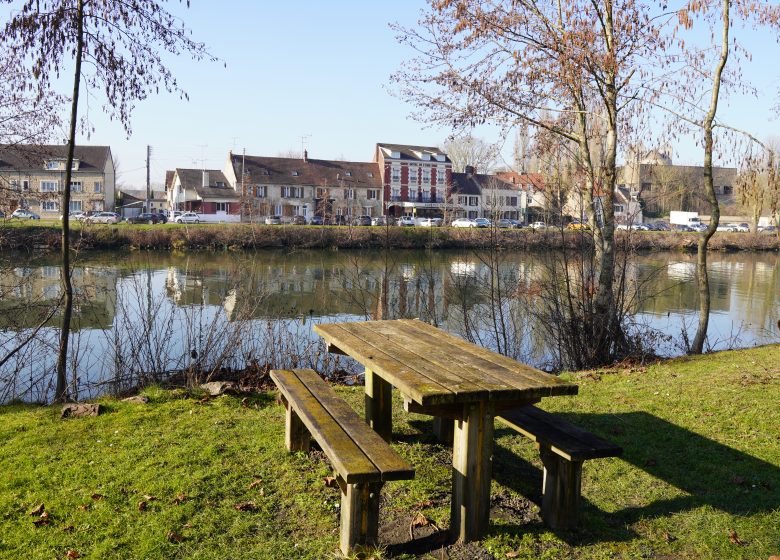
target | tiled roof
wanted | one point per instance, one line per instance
(193, 179)
(312, 172)
(169, 179)
(30, 157)
(413, 153)
(140, 194)
(523, 180)
(473, 183)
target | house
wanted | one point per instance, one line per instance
(414, 179)
(475, 195)
(33, 176)
(289, 187)
(131, 202)
(205, 191)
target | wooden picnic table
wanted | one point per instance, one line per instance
(444, 376)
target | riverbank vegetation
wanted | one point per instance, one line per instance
(185, 476)
(175, 237)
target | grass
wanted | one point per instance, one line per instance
(702, 459)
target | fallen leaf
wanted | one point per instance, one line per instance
(174, 537)
(180, 499)
(97, 497)
(734, 539)
(84, 507)
(68, 529)
(41, 521)
(72, 554)
(38, 511)
(255, 483)
(245, 402)
(330, 482)
(512, 554)
(204, 400)
(668, 537)
(420, 521)
(774, 557)
(142, 506)
(424, 504)
(149, 498)
(187, 526)
(246, 506)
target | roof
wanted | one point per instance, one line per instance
(412, 153)
(523, 180)
(311, 172)
(140, 194)
(474, 183)
(31, 157)
(193, 179)
(169, 179)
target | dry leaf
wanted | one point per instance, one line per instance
(180, 499)
(38, 511)
(512, 554)
(174, 537)
(424, 504)
(187, 526)
(734, 539)
(68, 529)
(245, 402)
(41, 521)
(246, 506)
(255, 483)
(97, 497)
(72, 554)
(774, 557)
(142, 506)
(84, 507)
(204, 400)
(421, 521)
(668, 537)
(330, 482)
(149, 498)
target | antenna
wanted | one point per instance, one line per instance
(304, 142)
(203, 148)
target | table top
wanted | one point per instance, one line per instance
(433, 367)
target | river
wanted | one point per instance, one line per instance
(139, 314)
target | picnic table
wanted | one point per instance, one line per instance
(444, 376)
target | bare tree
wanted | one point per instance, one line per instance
(469, 150)
(120, 45)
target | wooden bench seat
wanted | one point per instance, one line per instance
(563, 447)
(363, 461)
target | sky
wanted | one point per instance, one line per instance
(317, 74)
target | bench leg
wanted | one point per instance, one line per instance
(296, 436)
(379, 405)
(359, 515)
(443, 429)
(560, 490)
(472, 459)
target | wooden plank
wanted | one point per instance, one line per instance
(391, 465)
(349, 461)
(506, 369)
(560, 490)
(379, 404)
(359, 516)
(407, 380)
(472, 452)
(296, 436)
(460, 385)
(565, 439)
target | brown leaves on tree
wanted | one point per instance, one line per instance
(734, 539)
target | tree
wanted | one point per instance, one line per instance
(571, 68)
(469, 150)
(121, 45)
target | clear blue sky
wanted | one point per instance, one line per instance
(318, 69)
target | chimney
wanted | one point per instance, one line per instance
(469, 170)
(205, 178)
(305, 156)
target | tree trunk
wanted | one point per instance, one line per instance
(697, 347)
(61, 391)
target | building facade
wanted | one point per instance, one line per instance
(205, 191)
(33, 177)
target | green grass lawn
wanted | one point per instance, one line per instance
(702, 459)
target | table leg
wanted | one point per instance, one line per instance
(442, 428)
(378, 404)
(472, 457)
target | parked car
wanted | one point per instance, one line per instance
(464, 222)
(103, 218)
(379, 221)
(187, 218)
(769, 229)
(406, 221)
(162, 217)
(538, 225)
(483, 222)
(743, 227)
(430, 222)
(273, 220)
(298, 221)
(317, 221)
(362, 221)
(727, 227)
(508, 223)
(24, 214)
(579, 225)
(658, 226)
(338, 220)
(144, 218)
(2, 215)
(78, 216)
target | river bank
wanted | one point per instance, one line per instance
(173, 237)
(185, 475)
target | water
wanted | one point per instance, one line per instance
(139, 315)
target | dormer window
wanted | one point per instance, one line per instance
(348, 173)
(395, 154)
(52, 164)
(220, 183)
(295, 173)
(370, 174)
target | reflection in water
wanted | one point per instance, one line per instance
(152, 313)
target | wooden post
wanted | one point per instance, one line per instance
(359, 515)
(472, 456)
(379, 405)
(560, 490)
(296, 436)
(443, 429)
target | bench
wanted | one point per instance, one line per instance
(562, 447)
(361, 459)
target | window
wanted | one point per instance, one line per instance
(619, 208)
(15, 185)
(511, 201)
(75, 186)
(727, 189)
(98, 187)
(349, 194)
(222, 206)
(372, 194)
(50, 205)
(52, 164)
(370, 174)
(396, 193)
(462, 200)
(396, 174)
(292, 192)
(220, 183)
(647, 187)
(473, 201)
(261, 191)
(295, 173)
(76, 206)
(49, 186)
(348, 173)
(25, 185)
(426, 175)
(321, 192)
